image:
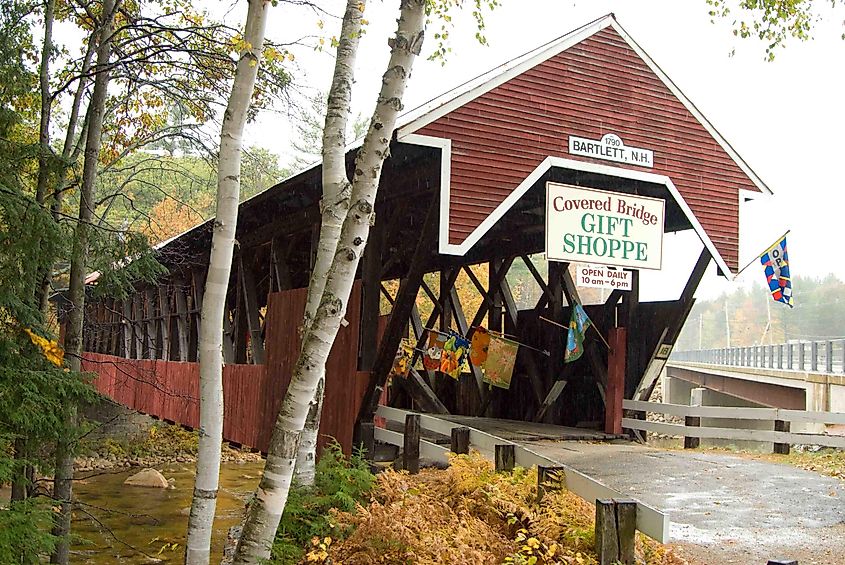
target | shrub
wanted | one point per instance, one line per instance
(340, 484)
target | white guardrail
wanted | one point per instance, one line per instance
(650, 521)
(735, 413)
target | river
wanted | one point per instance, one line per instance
(136, 525)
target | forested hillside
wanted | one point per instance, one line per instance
(743, 315)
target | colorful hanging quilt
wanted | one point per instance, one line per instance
(501, 356)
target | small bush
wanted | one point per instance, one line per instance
(340, 484)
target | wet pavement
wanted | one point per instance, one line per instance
(723, 508)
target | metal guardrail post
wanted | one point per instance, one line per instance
(789, 358)
(771, 357)
(801, 356)
(828, 357)
(814, 356)
(780, 356)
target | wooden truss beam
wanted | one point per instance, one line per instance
(398, 324)
(251, 313)
(659, 356)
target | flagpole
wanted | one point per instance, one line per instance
(601, 337)
(761, 254)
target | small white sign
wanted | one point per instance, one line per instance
(603, 276)
(611, 148)
(588, 225)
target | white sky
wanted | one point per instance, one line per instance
(785, 118)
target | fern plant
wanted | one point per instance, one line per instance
(340, 483)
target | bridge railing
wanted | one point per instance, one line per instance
(811, 356)
(780, 435)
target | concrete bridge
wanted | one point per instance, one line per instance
(797, 376)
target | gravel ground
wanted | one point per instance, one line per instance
(723, 508)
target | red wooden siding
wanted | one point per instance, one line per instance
(170, 390)
(596, 87)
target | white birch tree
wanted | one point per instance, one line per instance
(266, 509)
(210, 346)
(334, 206)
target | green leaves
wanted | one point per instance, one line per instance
(442, 10)
(771, 21)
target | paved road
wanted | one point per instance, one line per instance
(724, 509)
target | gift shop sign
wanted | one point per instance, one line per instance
(586, 225)
(603, 276)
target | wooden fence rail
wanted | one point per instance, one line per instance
(812, 356)
(735, 413)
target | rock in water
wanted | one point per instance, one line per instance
(147, 478)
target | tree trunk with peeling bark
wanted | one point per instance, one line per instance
(204, 503)
(334, 206)
(266, 509)
(63, 476)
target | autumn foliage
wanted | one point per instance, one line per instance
(468, 515)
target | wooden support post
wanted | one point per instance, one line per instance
(494, 315)
(615, 529)
(696, 399)
(615, 392)
(365, 439)
(464, 329)
(150, 324)
(607, 542)
(138, 325)
(198, 288)
(460, 440)
(505, 457)
(181, 320)
(228, 336)
(411, 453)
(548, 478)
(164, 329)
(626, 523)
(126, 329)
(250, 306)
(370, 299)
(781, 448)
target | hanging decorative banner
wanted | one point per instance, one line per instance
(603, 276)
(609, 228)
(501, 356)
(434, 352)
(480, 344)
(578, 326)
(453, 356)
(402, 361)
(775, 263)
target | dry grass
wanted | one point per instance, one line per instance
(468, 515)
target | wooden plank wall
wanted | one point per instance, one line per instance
(169, 390)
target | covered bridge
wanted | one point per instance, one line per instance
(461, 208)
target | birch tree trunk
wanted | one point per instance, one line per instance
(204, 503)
(334, 206)
(63, 476)
(267, 507)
